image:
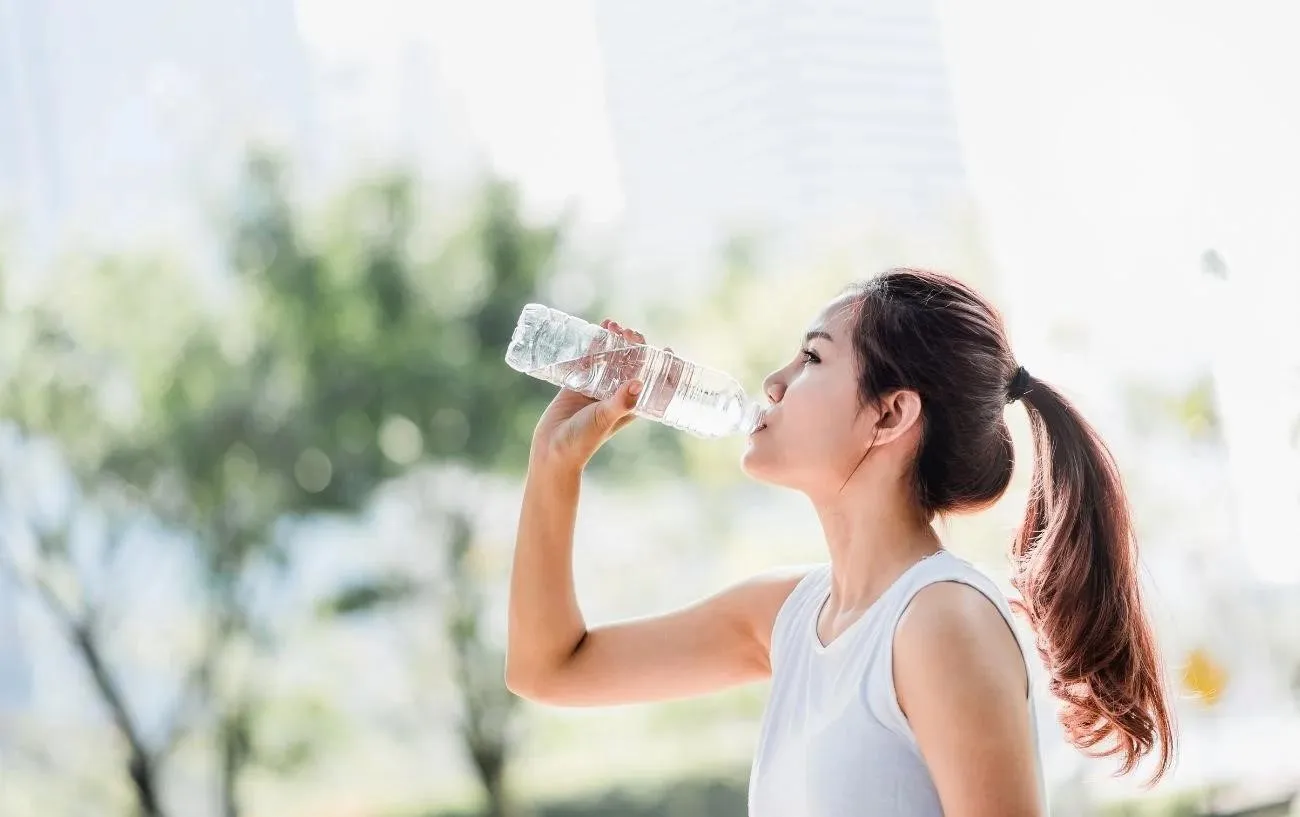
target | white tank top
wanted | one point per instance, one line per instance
(834, 742)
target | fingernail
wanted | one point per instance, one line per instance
(635, 388)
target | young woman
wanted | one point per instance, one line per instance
(898, 685)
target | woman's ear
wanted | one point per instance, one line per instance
(900, 412)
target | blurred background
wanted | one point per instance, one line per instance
(260, 457)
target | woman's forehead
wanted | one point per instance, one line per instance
(837, 315)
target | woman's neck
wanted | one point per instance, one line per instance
(873, 534)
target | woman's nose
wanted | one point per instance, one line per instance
(773, 387)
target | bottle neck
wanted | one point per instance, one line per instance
(752, 417)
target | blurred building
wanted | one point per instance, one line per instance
(775, 117)
(1256, 365)
(378, 107)
(109, 112)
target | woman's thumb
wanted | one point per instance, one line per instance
(615, 407)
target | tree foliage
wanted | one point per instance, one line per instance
(333, 353)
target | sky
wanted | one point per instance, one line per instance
(526, 75)
(1149, 129)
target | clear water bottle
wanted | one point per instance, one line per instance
(571, 353)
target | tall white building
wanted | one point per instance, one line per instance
(778, 116)
(380, 108)
(111, 111)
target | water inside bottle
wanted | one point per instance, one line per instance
(599, 373)
(675, 392)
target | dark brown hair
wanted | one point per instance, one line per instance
(1075, 556)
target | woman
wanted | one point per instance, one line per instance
(898, 685)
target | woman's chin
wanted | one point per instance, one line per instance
(754, 465)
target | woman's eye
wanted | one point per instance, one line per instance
(810, 356)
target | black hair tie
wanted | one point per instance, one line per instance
(1019, 385)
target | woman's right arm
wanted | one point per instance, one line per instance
(554, 658)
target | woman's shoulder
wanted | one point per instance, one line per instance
(946, 567)
(952, 608)
(950, 598)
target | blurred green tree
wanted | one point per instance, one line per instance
(329, 362)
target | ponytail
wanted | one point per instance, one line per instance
(1077, 571)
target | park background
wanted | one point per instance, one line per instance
(261, 458)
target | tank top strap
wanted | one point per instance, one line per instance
(881, 696)
(792, 619)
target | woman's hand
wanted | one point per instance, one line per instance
(575, 426)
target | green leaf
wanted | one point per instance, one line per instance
(369, 595)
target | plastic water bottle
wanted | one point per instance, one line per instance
(569, 352)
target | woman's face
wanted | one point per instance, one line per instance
(816, 430)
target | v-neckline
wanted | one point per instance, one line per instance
(821, 647)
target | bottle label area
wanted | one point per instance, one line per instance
(600, 373)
